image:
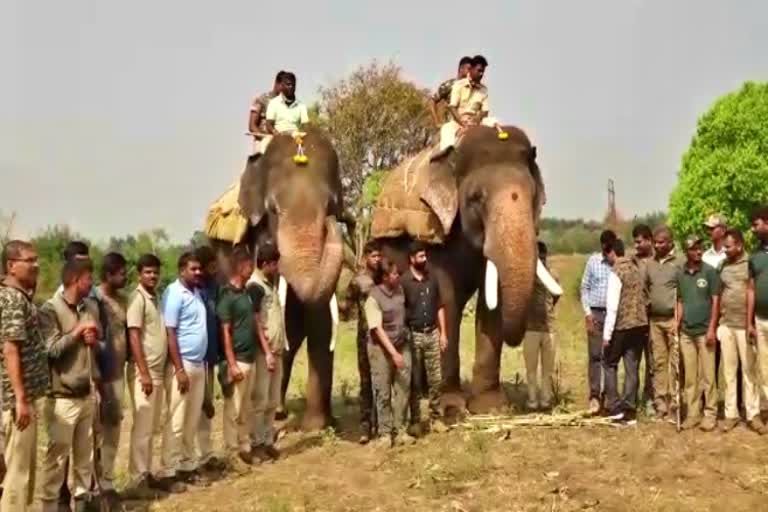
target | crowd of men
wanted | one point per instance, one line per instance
(70, 361)
(701, 322)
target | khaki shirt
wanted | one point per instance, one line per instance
(469, 100)
(662, 284)
(541, 312)
(270, 311)
(144, 314)
(733, 293)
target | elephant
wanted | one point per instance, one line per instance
(297, 206)
(487, 196)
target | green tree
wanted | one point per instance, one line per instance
(375, 118)
(725, 170)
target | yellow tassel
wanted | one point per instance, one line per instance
(503, 135)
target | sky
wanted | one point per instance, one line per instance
(121, 116)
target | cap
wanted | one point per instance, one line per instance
(715, 220)
(692, 240)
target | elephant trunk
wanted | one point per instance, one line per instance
(310, 256)
(510, 246)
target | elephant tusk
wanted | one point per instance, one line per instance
(491, 285)
(334, 321)
(282, 293)
(547, 280)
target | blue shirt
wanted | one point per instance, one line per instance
(184, 310)
(594, 283)
(210, 294)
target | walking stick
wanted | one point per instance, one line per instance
(677, 362)
(104, 505)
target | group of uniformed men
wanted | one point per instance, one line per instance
(71, 361)
(710, 307)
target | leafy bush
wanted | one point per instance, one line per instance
(725, 170)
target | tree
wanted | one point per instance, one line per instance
(7, 223)
(375, 118)
(725, 170)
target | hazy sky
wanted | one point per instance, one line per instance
(120, 116)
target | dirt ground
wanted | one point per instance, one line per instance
(647, 467)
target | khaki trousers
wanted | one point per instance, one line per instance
(146, 419)
(266, 398)
(20, 460)
(539, 352)
(69, 425)
(238, 411)
(182, 420)
(666, 362)
(110, 437)
(204, 445)
(699, 365)
(734, 348)
(761, 364)
(449, 130)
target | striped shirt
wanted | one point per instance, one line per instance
(594, 283)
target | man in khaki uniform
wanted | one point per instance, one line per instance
(114, 305)
(539, 344)
(269, 360)
(757, 298)
(697, 285)
(468, 106)
(70, 324)
(732, 333)
(25, 376)
(146, 372)
(443, 93)
(662, 272)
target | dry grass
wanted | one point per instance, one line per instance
(588, 467)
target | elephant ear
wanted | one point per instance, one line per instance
(251, 198)
(442, 194)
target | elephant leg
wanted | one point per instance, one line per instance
(295, 333)
(486, 389)
(320, 379)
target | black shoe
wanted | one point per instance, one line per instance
(281, 415)
(193, 478)
(272, 452)
(169, 485)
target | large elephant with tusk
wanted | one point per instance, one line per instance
(298, 206)
(479, 207)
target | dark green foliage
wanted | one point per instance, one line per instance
(725, 170)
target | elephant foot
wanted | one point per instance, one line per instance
(453, 403)
(487, 401)
(313, 422)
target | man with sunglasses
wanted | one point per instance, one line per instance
(25, 372)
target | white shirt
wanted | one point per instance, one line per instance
(713, 258)
(611, 305)
(287, 118)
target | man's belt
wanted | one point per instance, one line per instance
(602, 310)
(423, 329)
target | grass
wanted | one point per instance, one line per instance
(644, 468)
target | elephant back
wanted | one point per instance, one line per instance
(400, 210)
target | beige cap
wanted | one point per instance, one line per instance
(715, 220)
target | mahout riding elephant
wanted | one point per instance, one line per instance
(482, 203)
(297, 206)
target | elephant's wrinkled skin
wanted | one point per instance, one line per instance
(488, 195)
(297, 207)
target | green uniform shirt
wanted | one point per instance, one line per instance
(696, 289)
(758, 270)
(235, 308)
(733, 297)
(662, 284)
